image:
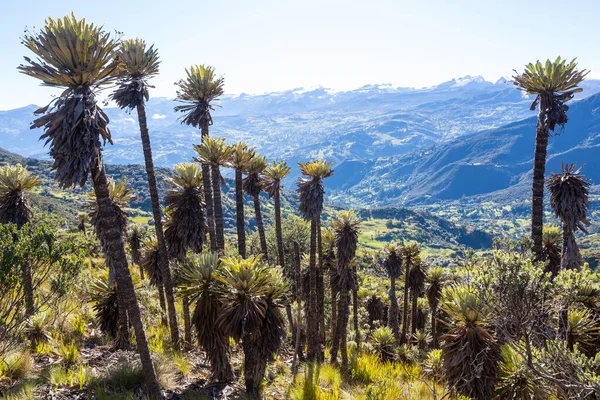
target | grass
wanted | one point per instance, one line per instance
(24, 390)
(16, 365)
(78, 376)
(182, 364)
(68, 352)
(157, 340)
(369, 378)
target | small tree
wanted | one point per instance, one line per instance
(436, 278)
(470, 350)
(553, 84)
(252, 294)
(135, 236)
(239, 160)
(138, 64)
(252, 185)
(198, 283)
(15, 183)
(569, 199)
(198, 92)
(346, 227)
(392, 263)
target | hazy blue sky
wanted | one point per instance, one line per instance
(263, 45)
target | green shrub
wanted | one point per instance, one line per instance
(78, 326)
(68, 352)
(383, 343)
(36, 328)
(16, 365)
(182, 363)
(21, 391)
(434, 365)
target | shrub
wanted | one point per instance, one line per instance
(517, 381)
(21, 391)
(434, 366)
(16, 365)
(383, 342)
(183, 365)
(68, 352)
(36, 328)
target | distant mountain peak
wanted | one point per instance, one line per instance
(467, 79)
(504, 80)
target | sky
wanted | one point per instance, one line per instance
(271, 45)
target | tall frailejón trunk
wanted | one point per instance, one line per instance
(539, 171)
(281, 258)
(434, 328)
(208, 197)
(320, 293)
(251, 362)
(393, 321)
(261, 227)
(404, 337)
(321, 312)
(312, 323)
(297, 349)
(218, 209)
(343, 316)
(115, 254)
(239, 210)
(121, 341)
(355, 306)
(333, 304)
(413, 317)
(163, 259)
(278, 230)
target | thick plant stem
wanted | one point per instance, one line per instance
(239, 209)
(312, 322)
(298, 277)
(539, 171)
(218, 209)
(278, 231)
(394, 311)
(404, 337)
(355, 310)
(342, 322)
(333, 304)
(122, 341)
(415, 298)
(250, 369)
(261, 228)
(163, 259)
(208, 197)
(116, 257)
(434, 328)
(321, 294)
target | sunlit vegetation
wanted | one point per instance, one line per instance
(252, 289)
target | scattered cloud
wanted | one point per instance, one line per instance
(159, 116)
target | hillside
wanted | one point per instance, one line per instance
(381, 226)
(495, 163)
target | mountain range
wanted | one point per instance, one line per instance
(496, 162)
(389, 145)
